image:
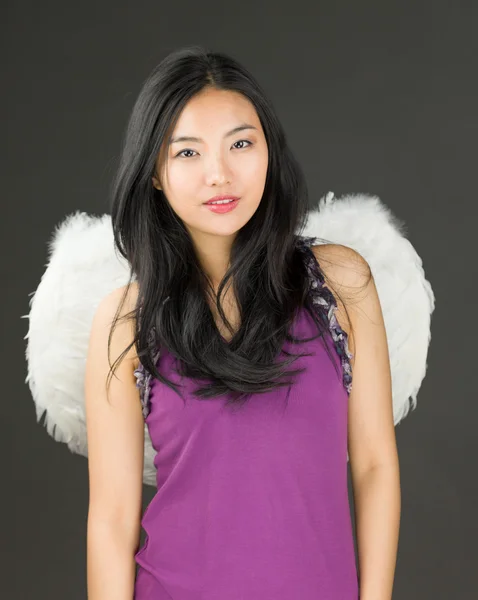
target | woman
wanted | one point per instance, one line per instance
(251, 467)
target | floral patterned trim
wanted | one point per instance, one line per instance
(323, 298)
(143, 382)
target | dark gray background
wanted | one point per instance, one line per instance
(376, 97)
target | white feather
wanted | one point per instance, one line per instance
(82, 269)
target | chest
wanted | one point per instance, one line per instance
(232, 315)
(310, 414)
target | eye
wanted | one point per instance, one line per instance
(181, 154)
(240, 141)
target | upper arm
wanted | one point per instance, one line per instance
(371, 430)
(115, 425)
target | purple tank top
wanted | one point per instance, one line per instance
(252, 504)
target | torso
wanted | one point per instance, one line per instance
(243, 496)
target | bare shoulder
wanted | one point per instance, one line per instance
(342, 265)
(123, 298)
(117, 306)
(347, 275)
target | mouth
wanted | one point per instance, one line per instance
(220, 200)
(222, 206)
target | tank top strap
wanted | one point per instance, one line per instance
(325, 303)
(144, 377)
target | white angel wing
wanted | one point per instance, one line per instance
(362, 222)
(83, 268)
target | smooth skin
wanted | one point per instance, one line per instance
(220, 164)
(115, 431)
(194, 172)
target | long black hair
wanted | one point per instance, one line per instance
(267, 270)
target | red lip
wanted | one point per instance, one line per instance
(223, 197)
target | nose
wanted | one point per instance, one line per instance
(218, 171)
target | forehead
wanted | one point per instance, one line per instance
(214, 111)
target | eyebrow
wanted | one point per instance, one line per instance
(187, 138)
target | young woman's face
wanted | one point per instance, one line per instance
(218, 162)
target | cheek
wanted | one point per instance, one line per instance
(255, 172)
(181, 181)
